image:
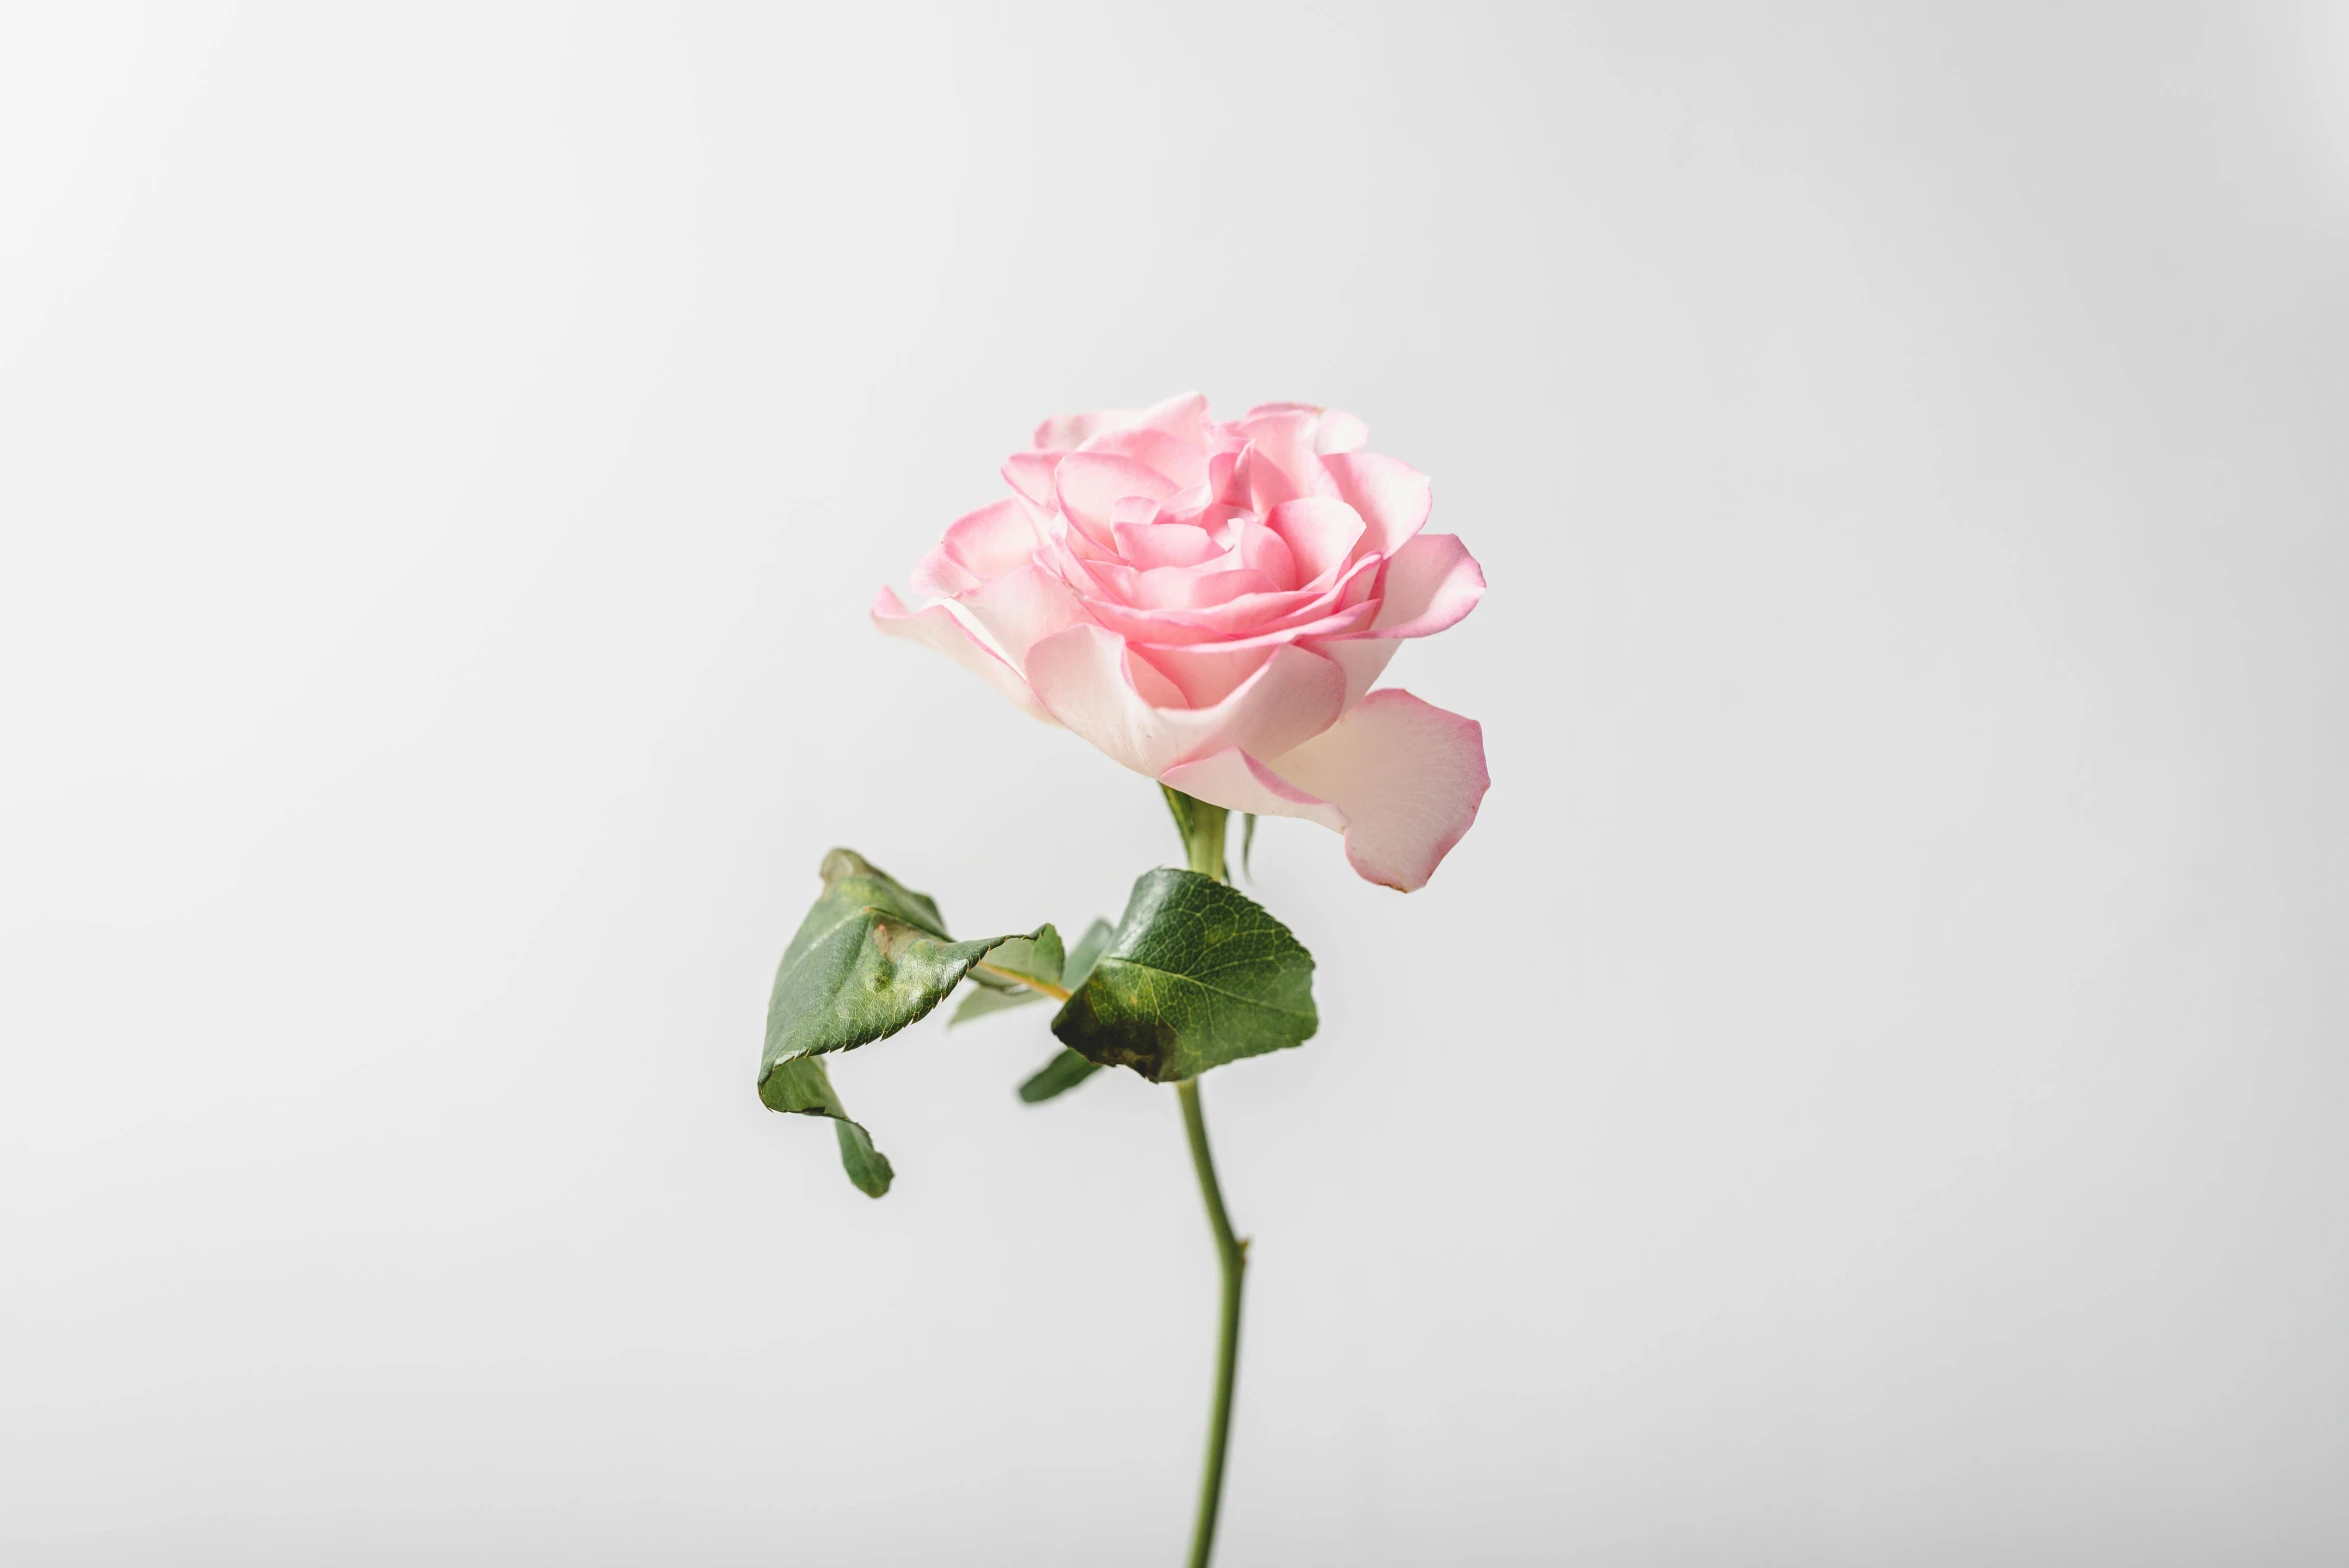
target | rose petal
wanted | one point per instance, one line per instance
(1184, 412)
(1402, 778)
(1182, 459)
(1364, 659)
(938, 575)
(934, 626)
(1081, 678)
(1205, 673)
(1165, 544)
(1030, 473)
(1016, 611)
(1337, 432)
(995, 539)
(1265, 551)
(1393, 498)
(1090, 484)
(1432, 582)
(1321, 533)
(1192, 588)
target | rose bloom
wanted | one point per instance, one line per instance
(1210, 604)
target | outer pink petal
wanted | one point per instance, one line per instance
(1400, 778)
(1429, 586)
(995, 539)
(1020, 609)
(1185, 411)
(938, 575)
(1030, 473)
(1080, 676)
(934, 626)
(1205, 673)
(1181, 457)
(1333, 429)
(1432, 582)
(1364, 659)
(1393, 497)
(1338, 432)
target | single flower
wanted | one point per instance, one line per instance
(1210, 604)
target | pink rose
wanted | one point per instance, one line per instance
(1209, 604)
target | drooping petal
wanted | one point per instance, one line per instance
(1394, 498)
(1403, 779)
(935, 626)
(1080, 676)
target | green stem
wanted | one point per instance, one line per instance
(1234, 1254)
(1202, 827)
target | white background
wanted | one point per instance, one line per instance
(1869, 1090)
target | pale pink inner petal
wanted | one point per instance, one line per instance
(1090, 484)
(1187, 588)
(1148, 544)
(1281, 462)
(1265, 551)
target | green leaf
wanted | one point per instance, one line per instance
(1029, 958)
(1064, 1072)
(801, 1085)
(1087, 953)
(1066, 1069)
(871, 957)
(1021, 959)
(1196, 975)
(982, 1003)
